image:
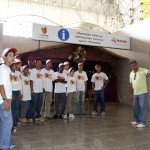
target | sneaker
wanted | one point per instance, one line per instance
(14, 130)
(71, 116)
(47, 118)
(134, 123)
(41, 119)
(140, 125)
(103, 113)
(65, 116)
(37, 119)
(19, 124)
(55, 117)
(23, 120)
(12, 146)
(94, 113)
(30, 120)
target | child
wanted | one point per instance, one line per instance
(16, 93)
(26, 94)
(71, 94)
(5, 99)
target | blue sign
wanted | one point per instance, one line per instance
(63, 34)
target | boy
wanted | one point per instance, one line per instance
(8, 55)
(71, 94)
(26, 94)
(16, 93)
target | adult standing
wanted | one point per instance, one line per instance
(99, 82)
(59, 92)
(138, 89)
(36, 78)
(48, 88)
(81, 78)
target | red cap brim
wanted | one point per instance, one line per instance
(12, 50)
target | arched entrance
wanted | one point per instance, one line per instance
(93, 56)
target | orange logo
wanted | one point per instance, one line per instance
(44, 30)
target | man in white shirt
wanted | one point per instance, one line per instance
(36, 78)
(48, 88)
(81, 78)
(66, 68)
(59, 92)
(5, 99)
(99, 82)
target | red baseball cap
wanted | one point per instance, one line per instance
(6, 50)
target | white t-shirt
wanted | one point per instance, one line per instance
(71, 84)
(66, 72)
(59, 87)
(26, 89)
(37, 77)
(48, 78)
(16, 81)
(81, 78)
(98, 79)
(5, 80)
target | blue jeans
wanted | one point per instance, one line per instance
(15, 107)
(24, 108)
(5, 126)
(140, 106)
(36, 105)
(99, 95)
(80, 106)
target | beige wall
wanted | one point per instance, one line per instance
(1, 38)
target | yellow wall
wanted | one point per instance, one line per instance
(146, 9)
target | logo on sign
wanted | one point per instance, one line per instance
(63, 34)
(44, 30)
(118, 41)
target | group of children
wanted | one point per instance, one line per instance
(32, 91)
(26, 94)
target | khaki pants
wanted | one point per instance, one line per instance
(47, 100)
(71, 99)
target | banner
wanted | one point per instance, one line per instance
(80, 37)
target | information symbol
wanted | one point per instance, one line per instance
(63, 34)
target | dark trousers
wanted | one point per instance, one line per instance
(60, 102)
(35, 106)
(15, 107)
(99, 95)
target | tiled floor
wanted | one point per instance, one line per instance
(112, 132)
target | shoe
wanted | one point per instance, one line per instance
(71, 116)
(94, 113)
(65, 117)
(12, 146)
(103, 113)
(37, 119)
(23, 120)
(30, 120)
(14, 130)
(47, 118)
(60, 116)
(134, 123)
(141, 125)
(41, 119)
(19, 124)
(55, 117)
